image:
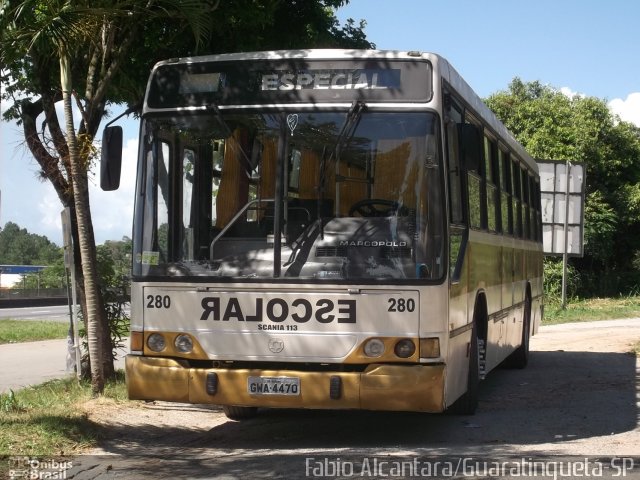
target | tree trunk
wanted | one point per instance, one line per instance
(51, 168)
(86, 245)
(105, 330)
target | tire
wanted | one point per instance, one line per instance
(234, 412)
(520, 357)
(467, 404)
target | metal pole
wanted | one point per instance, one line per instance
(74, 318)
(565, 254)
(69, 263)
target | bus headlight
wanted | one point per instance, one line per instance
(156, 342)
(405, 348)
(183, 343)
(374, 348)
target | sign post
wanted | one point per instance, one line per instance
(69, 263)
(562, 188)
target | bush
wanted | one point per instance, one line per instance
(553, 280)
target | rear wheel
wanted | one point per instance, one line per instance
(235, 412)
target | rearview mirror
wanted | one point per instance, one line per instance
(111, 158)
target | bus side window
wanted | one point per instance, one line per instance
(526, 219)
(453, 117)
(533, 208)
(517, 198)
(456, 205)
(537, 217)
(505, 188)
(474, 182)
(476, 188)
(491, 180)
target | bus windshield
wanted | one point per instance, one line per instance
(326, 195)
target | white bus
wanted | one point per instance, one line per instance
(326, 229)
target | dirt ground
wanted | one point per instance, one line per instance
(579, 396)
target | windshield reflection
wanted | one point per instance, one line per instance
(310, 195)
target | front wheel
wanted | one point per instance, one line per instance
(234, 412)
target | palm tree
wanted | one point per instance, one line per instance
(58, 26)
(96, 37)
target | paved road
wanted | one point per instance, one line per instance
(56, 313)
(24, 364)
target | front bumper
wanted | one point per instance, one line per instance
(379, 387)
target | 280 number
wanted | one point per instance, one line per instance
(401, 305)
(158, 301)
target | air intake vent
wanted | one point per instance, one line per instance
(395, 252)
(382, 252)
(331, 251)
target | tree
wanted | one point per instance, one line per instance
(551, 125)
(114, 265)
(99, 53)
(19, 247)
(52, 277)
(36, 32)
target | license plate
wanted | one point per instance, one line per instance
(273, 386)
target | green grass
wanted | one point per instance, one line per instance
(592, 309)
(13, 331)
(49, 419)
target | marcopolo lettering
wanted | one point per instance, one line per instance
(322, 80)
(278, 310)
(371, 243)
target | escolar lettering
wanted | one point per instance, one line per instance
(278, 310)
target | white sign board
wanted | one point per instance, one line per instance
(556, 213)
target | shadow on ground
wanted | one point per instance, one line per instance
(560, 396)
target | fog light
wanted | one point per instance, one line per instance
(374, 348)
(405, 348)
(156, 342)
(183, 343)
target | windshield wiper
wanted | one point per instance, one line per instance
(346, 133)
(349, 126)
(229, 133)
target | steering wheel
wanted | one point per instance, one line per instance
(367, 207)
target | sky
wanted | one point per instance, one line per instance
(586, 47)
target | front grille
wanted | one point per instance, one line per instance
(382, 252)
(331, 251)
(395, 252)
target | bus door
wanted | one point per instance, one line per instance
(458, 323)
